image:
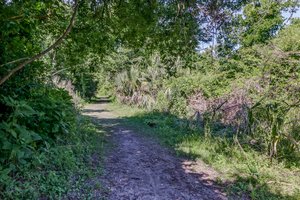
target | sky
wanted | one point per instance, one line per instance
(295, 15)
(286, 15)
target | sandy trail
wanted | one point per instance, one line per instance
(138, 168)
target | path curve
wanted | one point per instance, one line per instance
(138, 168)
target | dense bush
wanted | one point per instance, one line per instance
(44, 144)
(243, 82)
(32, 121)
(254, 93)
(56, 171)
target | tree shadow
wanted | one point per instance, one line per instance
(94, 111)
(101, 100)
(148, 124)
(179, 129)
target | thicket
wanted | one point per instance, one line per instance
(253, 94)
(44, 142)
(233, 65)
(239, 113)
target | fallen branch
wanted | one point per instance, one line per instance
(39, 55)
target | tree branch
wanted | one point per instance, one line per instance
(14, 61)
(39, 55)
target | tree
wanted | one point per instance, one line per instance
(44, 52)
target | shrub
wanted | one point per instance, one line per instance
(32, 121)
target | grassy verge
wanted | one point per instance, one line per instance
(242, 168)
(58, 171)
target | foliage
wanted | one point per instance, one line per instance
(57, 171)
(44, 145)
(30, 123)
(241, 169)
(233, 65)
(254, 93)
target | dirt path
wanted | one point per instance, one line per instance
(137, 167)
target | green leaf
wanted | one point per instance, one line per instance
(35, 136)
(13, 133)
(6, 145)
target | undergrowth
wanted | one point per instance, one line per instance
(57, 171)
(242, 168)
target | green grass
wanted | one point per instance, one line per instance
(243, 170)
(58, 171)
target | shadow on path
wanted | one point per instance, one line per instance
(139, 168)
